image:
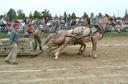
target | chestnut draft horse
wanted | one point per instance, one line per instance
(79, 35)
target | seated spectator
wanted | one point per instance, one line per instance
(26, 35)
(16, 24)
(8, 33)
(29, 29)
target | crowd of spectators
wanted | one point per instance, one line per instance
(27, 25)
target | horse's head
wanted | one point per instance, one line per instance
(107, 22)
(115, 25)
(118, 26)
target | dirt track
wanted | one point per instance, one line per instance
(110, 67)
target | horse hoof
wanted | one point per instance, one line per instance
(89, 55)
(78, 53)
(95, 56)
(56, 58)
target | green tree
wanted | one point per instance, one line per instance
(11, 14)
(46, 14)
(126, 14)
(92, 15)
(100, 15)
(1, 16)
(65, 16)
(84, 15)
(37, 15)
(118, 18)
(21, 14)
(69, 17)
(56, 17)
(73, 16)
(30, 15)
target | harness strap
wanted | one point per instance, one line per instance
(91, 35)
(101, 30)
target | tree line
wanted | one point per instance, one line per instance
(19, 14)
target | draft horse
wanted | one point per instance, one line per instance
(79, 35)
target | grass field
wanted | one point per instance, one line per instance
(115, 34)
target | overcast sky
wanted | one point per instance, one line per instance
(111, 7)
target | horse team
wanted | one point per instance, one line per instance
(79, 35)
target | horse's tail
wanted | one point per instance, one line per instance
(48, 39)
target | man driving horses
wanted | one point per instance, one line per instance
(11, 58)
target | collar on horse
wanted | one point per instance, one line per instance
(99, 28)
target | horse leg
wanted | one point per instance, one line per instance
(59, 50)
(52, 49)
(50, 52)
(82, 48)
(94, 45)
(119, 30)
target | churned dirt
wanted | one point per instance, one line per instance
(110, 66)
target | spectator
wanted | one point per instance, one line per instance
(29, 29)
(16, 24)
(26, 35)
